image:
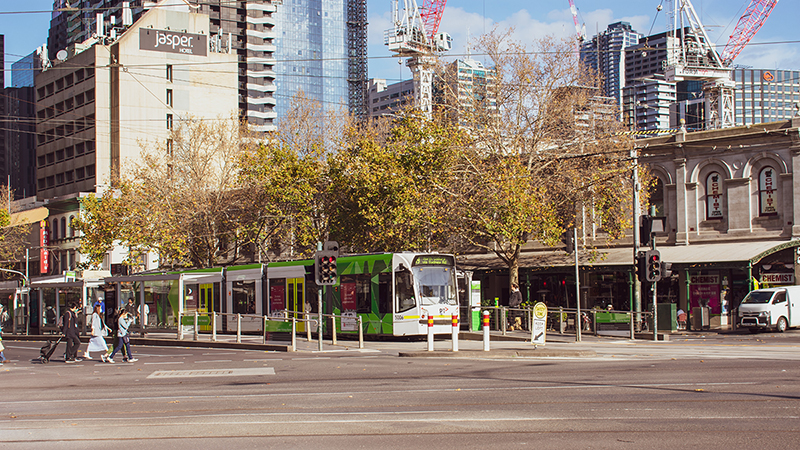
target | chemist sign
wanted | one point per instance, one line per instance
(172, 42)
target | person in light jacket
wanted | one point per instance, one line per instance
(99, 330)
(125, 321)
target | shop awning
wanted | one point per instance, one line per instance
(29, 216)
(722, 253)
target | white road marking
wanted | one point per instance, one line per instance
(213, 361)
(212, 373)
(168, 362)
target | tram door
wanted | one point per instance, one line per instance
(295, 300)
(205, 304)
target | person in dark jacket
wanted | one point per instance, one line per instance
(514, 302)
(70, 330)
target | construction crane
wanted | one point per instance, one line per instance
(690, 56)
(415, 35)
(751, 21)
(580, 30)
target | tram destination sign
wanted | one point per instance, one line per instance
(172, 42)
(433, 260)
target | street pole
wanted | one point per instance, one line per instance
(577, 289)
(637, 285)
(654, 283)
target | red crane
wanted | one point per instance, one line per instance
(431, 16)
(751, 21)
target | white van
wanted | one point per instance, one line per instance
(777, 308)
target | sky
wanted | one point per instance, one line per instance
(776, 46)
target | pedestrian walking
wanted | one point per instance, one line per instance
(115, 332)
(99, 331)
(125, 321)
(70, 330)
(131, 309)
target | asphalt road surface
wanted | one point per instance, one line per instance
(719, 392)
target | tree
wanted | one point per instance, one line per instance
(388, 184)
(540, 154)
(285, 181)
(13, 237)
(179, 200)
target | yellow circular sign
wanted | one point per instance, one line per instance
(540, 310)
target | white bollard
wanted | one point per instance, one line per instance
(238, 328)
(486, 331)
(195, 325)
(294, 335)
(360, 332)
(455, 332)
(214, 326)
(430, 332)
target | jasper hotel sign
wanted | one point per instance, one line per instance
(172, 42)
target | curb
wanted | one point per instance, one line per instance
(528, 353)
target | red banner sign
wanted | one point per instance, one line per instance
(44, 254)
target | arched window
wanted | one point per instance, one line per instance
(657, 198)
(54, 230)
(71, 226)
(714, 196)
(767, 192)
(64, 227)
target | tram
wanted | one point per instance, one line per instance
(394, 294)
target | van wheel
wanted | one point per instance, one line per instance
(781, 325)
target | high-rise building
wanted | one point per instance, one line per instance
(763, 95)
(465, 85)
(284, 47)
(646, 103)
(605, 53)
(25, 69)
(18, 128)
(93, 115)
(75, 21)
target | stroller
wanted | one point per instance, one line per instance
(48, 349)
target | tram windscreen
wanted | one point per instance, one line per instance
(436, 285)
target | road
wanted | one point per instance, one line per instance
(734, 391)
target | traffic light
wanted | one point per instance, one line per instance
(567, 238)
(641, 266)
(653, 265)
(325, 268)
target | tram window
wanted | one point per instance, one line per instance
(436, 286)
(244, 297)
(384, 293)
(363, 295)
(404, 290)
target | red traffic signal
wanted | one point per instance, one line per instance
(653, 265)
(325, 268)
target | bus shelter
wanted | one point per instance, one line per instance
(50, 296)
